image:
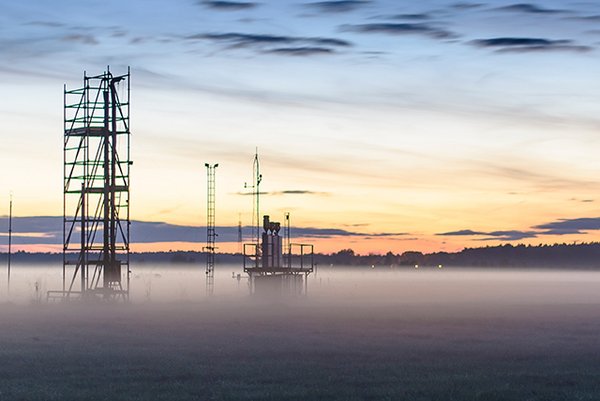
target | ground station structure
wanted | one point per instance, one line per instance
(96, 209)
(275, 266)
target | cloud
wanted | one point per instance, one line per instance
(46, 24)
(287, 192)
(414, 17)
(528, 8)
(462, 232)
(48, 230)
(523, 45)
(570, 226)
(275, 44)
(401, 29)
(511, 235)
(587, 18)
(466, 6)
(229, 5)
(558, 227)
(311, 232)
(301, 51)
(82, 38)
(339, 6)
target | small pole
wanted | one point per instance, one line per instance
(9, 240)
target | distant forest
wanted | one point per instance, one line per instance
(585, 255)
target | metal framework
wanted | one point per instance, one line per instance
(96, 205)
(272, 266)
(277, 278)
(211, 234)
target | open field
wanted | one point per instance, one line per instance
(448, 340)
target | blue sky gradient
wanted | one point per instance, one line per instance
(402, 117)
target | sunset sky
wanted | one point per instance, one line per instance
(381, 125)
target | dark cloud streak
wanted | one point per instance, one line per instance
(287, 192)
(339, 6)
(301, 51)
(401, 29)
(48, 230)
(275, 44)
(229, 5)
(570, 226)
(558, 227)
(511, 235)
(528, 8)
(524, 45)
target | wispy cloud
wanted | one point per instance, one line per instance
(87, 39)
(229, 5)
(287, 192)
(558, 227)
(527, 45)
(275, 44)
(46, 24)
(48, 230)
(586, 18)
(401, 29)
(301, 51)
(529, 8)
(570, 226)
(339, 6)
(310, 232)
(466, 6)
(510, 235)
(462, 233)
(413, 17)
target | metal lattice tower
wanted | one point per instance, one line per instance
(96, 188)
(211, 234)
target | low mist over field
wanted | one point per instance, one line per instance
(421, 334)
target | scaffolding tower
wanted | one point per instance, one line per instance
(211, 234)
(96, 188)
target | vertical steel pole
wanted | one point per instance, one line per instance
(106, 191)
(9, 240)
(82, 258)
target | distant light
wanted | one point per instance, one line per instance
(440, 266)
(416, 266)
(372, 266)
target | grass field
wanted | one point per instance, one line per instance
(300, 351)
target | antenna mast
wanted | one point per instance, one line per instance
(240, 237)
(257, 178)
(211, 234)
(9, 239)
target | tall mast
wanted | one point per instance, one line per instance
(256, 213)
(211, 234)
(240, 237)
(9, 239)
